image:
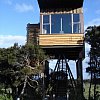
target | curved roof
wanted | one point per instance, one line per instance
(54, 4)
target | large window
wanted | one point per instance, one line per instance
(61, 23)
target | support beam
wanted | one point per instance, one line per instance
(46, 72)
(79, 79)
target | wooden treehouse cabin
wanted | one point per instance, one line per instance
(60, 33)
(61, 28)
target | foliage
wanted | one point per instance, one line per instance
(86, 92)
(92, 37)
(17, 63)
(5, 98)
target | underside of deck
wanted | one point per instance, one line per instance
(69, 52)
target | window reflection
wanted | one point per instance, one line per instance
(46, 24)
(46, 29)
(76, 28)
(55, 23)
(76, 18)
(76, 23)
(61, 23)
(67, 23)
(46, 19)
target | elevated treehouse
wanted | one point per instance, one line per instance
(61, 28)
(60, 33)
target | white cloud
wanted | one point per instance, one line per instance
(23, 7)
(85, 61)
(87, 48)
(9, 40)
(93, 22)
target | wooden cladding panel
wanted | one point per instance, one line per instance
(61, 39)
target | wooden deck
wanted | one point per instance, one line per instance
(61, 39)
(69, 45)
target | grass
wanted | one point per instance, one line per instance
(86, 93)
(5, 97)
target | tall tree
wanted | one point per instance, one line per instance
(17, 66)
(92, 37)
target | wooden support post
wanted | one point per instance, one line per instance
(79, 79)
(46, 72)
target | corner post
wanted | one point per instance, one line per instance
(79, 79)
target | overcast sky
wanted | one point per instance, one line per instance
(16, 14)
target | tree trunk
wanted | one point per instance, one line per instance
(25, 82)
(14, 93)
(90, 87)
(94, 86)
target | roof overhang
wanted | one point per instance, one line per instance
(56, 4)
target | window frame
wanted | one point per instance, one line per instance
(79, 23)
(72, 24)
